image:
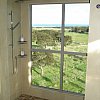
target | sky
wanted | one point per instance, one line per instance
(52, 14)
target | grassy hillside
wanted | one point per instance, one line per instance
(46, 66)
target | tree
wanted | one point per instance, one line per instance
(42, 59)
(67, 40)
(42, 39)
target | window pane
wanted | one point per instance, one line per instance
(76, 27)
(46, 70)
(46, 34)
(46, 26)
(74, 73)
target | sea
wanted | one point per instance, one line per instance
(59, 25)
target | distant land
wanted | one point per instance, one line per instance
(59, 25)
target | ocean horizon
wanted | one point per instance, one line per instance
(59, 25)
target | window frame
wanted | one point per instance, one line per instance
(61, 52)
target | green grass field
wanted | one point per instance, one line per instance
(79, 43)
(46, 66)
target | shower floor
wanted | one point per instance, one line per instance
(28, 97)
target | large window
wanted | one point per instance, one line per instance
(59, 46)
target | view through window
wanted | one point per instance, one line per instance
(59, 46)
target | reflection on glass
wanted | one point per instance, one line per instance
(74, 73)
(46, 70)
(76, 27)
(46, 26)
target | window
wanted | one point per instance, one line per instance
(59, 46)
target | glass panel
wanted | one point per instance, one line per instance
(46, 69)
(76, 27)
(74, 73)
(46, 26)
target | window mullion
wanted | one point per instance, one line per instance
(62, 47)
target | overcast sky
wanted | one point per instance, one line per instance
(52, 14)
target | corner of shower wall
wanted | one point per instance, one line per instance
(14, 62)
